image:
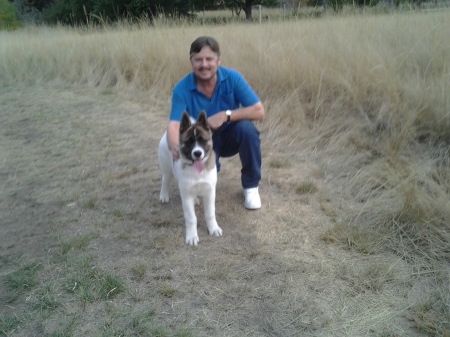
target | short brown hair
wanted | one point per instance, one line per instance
(204, 41)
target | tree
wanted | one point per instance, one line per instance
(245, 5)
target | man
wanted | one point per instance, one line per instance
(231, 106)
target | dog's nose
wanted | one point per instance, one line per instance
(197, 154)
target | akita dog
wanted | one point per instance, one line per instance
(195, 172)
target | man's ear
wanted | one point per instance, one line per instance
(202, 120)
(185, 122)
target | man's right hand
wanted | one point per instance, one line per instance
(173, 130)
(175, 152)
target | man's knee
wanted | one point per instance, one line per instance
(246, 129)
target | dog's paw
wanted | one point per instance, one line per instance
(192, 240)
(164, 197)
(215, 231)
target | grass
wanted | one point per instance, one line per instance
(280, 163)
(139, 269)
(46, 299)
(65, 329)
(79, 242)
(88, 283)
(9, 324)
(357, 121)
(306, 187)
(21, 281)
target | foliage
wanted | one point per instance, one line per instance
(65, 11)
(8, 19)
(75, 11)
(28, 11)
(337, 5)
(269, 3)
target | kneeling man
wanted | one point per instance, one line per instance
(231, 106)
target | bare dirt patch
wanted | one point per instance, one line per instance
(79, 198)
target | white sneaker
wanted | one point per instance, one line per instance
(252, 198)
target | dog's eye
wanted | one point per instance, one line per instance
(190, 140)
(200, 139)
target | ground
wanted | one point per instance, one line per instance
(80, 182)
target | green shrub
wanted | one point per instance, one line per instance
(8, 19)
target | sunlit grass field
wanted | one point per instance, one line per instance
(366, 98)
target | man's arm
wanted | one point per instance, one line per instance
(173, 134)
(254, 113)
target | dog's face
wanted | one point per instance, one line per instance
(195, 140)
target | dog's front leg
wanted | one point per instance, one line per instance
(165, 159)
(190, 220)
(165, 182)
(209, 204)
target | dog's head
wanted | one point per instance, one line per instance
(196, 141)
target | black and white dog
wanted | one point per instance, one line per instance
(195, 172)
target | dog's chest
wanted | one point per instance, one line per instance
(189, 179)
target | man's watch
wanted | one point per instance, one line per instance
(228, 113)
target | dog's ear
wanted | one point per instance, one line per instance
(202, 120)
(185, 122)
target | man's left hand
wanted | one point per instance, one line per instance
(217, 120)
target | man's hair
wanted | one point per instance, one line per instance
(204, 41)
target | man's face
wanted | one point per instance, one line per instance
(205, 64)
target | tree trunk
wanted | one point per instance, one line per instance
(248, 10)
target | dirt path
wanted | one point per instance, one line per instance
(76, 162)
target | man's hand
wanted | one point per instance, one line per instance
(175, 152)
(216, 120)
(172, 139)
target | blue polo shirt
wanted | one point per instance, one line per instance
(231, 92)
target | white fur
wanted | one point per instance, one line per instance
(191, 185)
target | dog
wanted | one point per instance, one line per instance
(195, 172)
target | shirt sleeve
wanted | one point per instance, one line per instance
(179, 105)
(244, 93)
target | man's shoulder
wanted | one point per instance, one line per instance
(185, 83)
(229, 72)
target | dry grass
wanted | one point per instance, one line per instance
(358, 119)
